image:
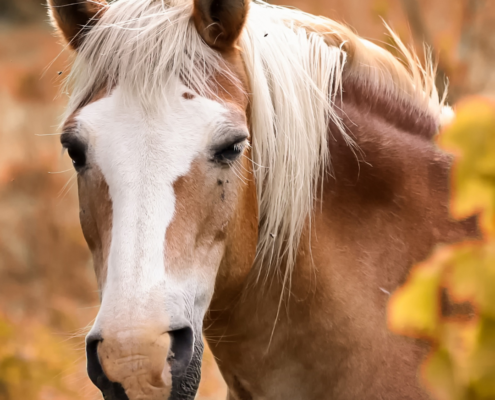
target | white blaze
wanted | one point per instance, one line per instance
(141, 157)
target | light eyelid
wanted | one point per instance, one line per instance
(228, 128)
(70, 131)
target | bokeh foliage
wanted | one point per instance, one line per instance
(32, 361)
(461, 365)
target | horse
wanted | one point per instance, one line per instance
(257, 175)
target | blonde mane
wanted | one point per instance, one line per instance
(296, 64)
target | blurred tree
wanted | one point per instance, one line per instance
(422, 36)
(21, 11)
(460, 33)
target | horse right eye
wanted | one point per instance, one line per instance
(76, 150)
(78, 156)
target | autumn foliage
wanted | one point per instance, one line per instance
(33, 362)
(461, 365)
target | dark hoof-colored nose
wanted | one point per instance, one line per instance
(110, 390)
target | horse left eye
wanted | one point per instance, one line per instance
(230, 153)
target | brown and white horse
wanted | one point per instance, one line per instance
(256, 174)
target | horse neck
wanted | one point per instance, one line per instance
(383, 208)
(365, 177)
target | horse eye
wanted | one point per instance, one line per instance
(78, 157)
(230, 153)
(77, 152)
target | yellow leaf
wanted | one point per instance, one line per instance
(472, 275)
(482, 362)
(414, 309)
(438, 375)
(472, 138)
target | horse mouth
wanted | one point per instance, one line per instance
(180, 381)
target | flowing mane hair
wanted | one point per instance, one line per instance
(296, 65)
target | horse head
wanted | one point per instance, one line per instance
(167, 199)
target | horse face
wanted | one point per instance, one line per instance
(157, 195)
(163, 197)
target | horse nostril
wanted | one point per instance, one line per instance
(181, 351)
(110, 390)
(94, 366)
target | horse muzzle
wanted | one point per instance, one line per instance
(144, 364)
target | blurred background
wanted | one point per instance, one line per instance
(47, 286)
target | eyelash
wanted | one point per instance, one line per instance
(230, 153)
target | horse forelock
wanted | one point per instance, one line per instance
(298, 67)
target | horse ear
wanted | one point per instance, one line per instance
(73, 18)
(220, 22)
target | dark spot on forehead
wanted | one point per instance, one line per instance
(188, 96)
